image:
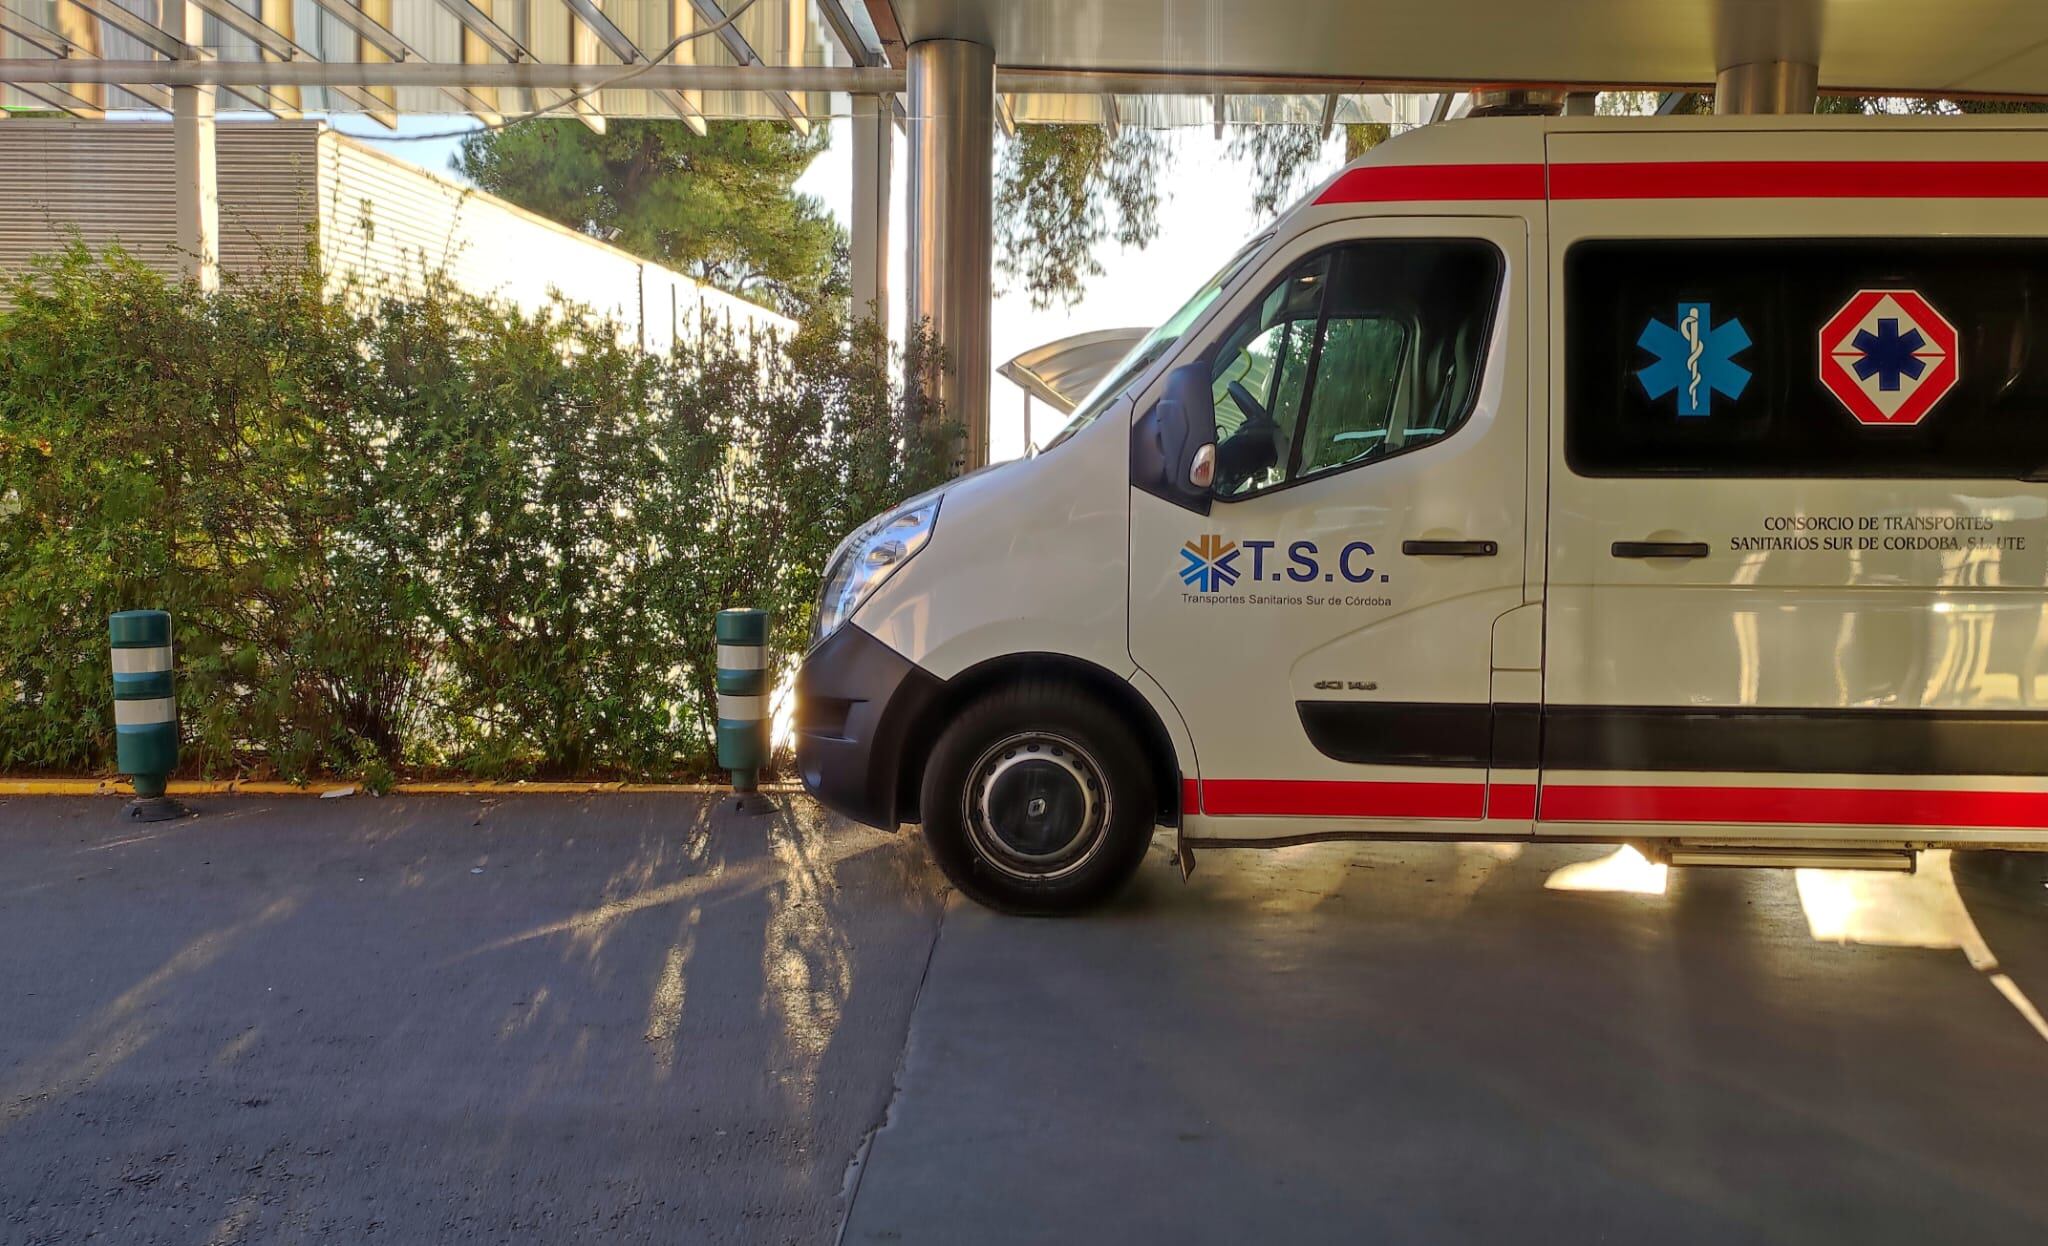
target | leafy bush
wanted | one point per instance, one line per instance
(412, 531)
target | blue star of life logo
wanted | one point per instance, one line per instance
(1888, 355)
(1208, 563)
(1695, 357)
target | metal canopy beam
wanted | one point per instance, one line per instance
(607, 32)
(64, 101)
(35, 34)
(155, 97)
(263, 100)
(280, 45)
(367, 28)
(484, 27)
(755, 77)
(743, 52)
(251, 27)
(151, 35)
(529, 75)
(1112, 117)
(1329, 122)
(848, 34)
(679, 104)
(386, 40)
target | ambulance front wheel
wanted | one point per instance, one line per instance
(1038, 799)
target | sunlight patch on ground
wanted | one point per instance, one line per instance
(665, 1006)
(1624, 870)
(717, 882)
(1922, 909)
(124, 1026)
(806, 966)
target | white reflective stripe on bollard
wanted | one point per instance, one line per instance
(145, 713)
(142, 661)
(741, 709)
(742, 657)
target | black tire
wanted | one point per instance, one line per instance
(1038, 799)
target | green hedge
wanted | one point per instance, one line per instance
(412, 533)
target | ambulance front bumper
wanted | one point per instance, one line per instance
(857, 702)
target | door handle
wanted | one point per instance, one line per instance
(1452, 549)
(1661, 549)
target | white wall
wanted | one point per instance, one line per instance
(382, 217)
(378, 219)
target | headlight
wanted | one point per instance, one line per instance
(869, 557)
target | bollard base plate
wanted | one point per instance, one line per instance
(752, 804)
(153, 809)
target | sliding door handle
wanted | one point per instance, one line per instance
(1661, 549)
(1452, 549)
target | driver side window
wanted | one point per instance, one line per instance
(1261, 377)
(1357, 353)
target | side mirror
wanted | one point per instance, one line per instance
(1173, 446)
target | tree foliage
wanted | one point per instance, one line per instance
(1363, 137)
(413, 531)
(1061, 191)
(1917, 106)
(1283, 158)
(721, 206)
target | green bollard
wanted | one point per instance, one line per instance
(145, 711)
(743, 705)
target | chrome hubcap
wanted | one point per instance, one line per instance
(1036, 805)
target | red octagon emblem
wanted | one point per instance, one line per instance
(1888, 356)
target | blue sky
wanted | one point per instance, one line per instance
(1205, 211)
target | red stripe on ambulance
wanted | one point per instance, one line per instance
(1711, 179)
(1574, 802)
(1319, 798)
(1515, 801)
(1803, 179)
(1402, 183)
(1823, 806)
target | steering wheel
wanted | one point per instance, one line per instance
(1252, 449)
(1254, 411)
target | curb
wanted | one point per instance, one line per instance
(240, 787)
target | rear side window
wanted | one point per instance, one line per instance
(1807, 357)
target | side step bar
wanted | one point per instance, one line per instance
(1896, 860)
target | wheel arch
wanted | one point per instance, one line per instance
(1129, 703)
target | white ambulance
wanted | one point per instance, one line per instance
(1675, 482)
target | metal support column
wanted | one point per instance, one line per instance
(952, 139)
(873, 139)
(1766, 56)
(193, 161)
(1766, 87)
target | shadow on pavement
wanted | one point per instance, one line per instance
(439, 1019)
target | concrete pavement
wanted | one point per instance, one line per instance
(554, 1019)
(434, 1020)
(1423, 1043)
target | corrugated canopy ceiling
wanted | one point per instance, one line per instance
(1140, 62)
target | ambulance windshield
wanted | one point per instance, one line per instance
(1156, 343)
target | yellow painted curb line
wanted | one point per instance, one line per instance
(242, 787)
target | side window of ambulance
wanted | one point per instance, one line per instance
(1260, 377)
(1806, 357)
(1359, 352)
